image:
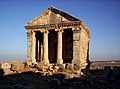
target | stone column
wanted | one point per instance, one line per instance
(33, 47)
(59, 47)
(45, 47)
(29, 46)
(41, 52)
(38, 53)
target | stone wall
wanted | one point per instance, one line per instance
(84, 47)
(76, 46)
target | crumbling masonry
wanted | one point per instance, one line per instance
(55, 37)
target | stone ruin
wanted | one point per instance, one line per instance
(56, 43)
(55, 38)
(58, 46)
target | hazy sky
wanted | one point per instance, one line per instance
(102, 17)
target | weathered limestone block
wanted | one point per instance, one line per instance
(13, 67)
(5, 65)
(76, 36)
(69, 67)
(17, 66)
(7, 72)
(70, 75)
(61, 66)
(76, 67)
(84, 49)
(50, 67)
(76, 46)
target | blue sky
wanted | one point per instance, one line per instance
(102, 17)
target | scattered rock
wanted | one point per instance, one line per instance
(13, 67)
(5, 65)
(56, 67)
(76, 67)
(69, 66)
(50, 68)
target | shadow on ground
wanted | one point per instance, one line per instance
(31, 80)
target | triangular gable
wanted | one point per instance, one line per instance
(51, 16)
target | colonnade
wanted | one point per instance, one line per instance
(45, 46)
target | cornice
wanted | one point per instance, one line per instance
(63, 25)
(55, 25)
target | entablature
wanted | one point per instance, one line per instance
(63, 25)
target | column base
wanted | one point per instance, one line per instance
(76, 61)
(30, 61)
(45, 61)
(59, 61)
(83, 65)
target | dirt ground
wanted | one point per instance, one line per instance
(32, 80)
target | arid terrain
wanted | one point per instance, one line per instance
(30, 78)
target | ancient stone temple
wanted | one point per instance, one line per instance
(55, 37)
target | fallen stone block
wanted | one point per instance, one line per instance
(5, 65)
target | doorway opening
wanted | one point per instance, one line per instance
(39, 46)
(52, 44)
(67, 46)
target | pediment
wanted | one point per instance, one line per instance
(51, 16)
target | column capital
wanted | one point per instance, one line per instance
(28, 31)
(44, 31)
(59, 30)
(33, 32)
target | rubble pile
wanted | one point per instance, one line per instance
(68, 70)
(12, 67)
(55, 76)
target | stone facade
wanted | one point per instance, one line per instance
(57, 37)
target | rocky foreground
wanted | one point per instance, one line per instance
(108, 79)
